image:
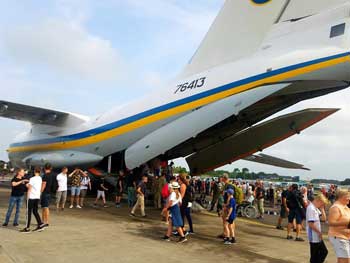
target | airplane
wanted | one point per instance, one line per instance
(259, 57)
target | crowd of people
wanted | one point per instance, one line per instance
(174, 197)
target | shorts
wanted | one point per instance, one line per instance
(341, 247)
(100, 194)
(231, 220)
(283, 212)
(295, 214)
(83, 192)
(75, 190)
(45, 200)
(119, 192)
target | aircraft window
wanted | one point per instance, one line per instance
(337, 30)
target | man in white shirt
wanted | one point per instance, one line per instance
(315, 213)
(33, 196)
(61, 194)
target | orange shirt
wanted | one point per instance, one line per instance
(340, 231)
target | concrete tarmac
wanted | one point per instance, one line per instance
(103, 235)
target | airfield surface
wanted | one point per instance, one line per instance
(105, 235)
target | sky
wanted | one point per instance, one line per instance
(87, 56)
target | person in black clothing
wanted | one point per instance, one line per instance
(284, 208)
(119, 188)
(48, 187)
(131, 188)
(294, 203)
(18, 184)
(101, 188)
(185, 208)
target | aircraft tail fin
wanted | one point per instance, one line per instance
(237, 31)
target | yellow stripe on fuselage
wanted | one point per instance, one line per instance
(176, 110)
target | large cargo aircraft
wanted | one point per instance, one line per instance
(258, 58)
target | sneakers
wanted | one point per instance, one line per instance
(44, 225)
(71, 206)
(227, 242)
(38, 228)
(4, 224)
(15, 224)
(105, 206)
(176, 234)
(78, 206)
(25, 230)
(289, 237)
(166, 238)
(132, 215)
(117, 205)
(299, 239)
(182, 240)
(279, 227)
(186, 233)
(233, 240)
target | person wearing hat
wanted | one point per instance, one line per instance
(173, 205)
(229, 224)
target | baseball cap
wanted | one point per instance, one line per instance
(230, 191)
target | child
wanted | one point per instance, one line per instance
(101, 192)
(33, 196)
(315, 213)
(230, 208)
(175, 215)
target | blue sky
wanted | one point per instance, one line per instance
(89, 56)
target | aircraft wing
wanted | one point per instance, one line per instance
(37, 115)
(274, 161)
(254, 139)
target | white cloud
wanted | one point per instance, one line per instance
(66, 47)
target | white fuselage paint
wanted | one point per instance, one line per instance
(288, 44)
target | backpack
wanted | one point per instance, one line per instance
(238, 194)
(165, 191)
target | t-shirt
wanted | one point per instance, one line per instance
(49, 179)
(232, 204)
(294, 199)
(259, 193)
(130, 180)
(120, 181)
(313, 215)
(62, 182)
(84, 184)
(175, 200)
(284, 194)
(18, 190)
(76, 179)
(100, 182)
(36, 183)
(142, 185)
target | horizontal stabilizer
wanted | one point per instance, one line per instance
(274, 161)
(254, 139)
(38, 115)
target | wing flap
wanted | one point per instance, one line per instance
(37, 115)
(274, 161)
(254, 139)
